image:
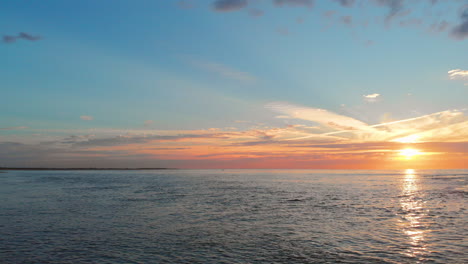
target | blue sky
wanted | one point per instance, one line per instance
(195, 65)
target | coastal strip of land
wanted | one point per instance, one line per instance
(60, 169)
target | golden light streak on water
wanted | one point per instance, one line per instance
(413, 212)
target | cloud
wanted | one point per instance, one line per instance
(86, 117)
(404, 13)
(450, 125)
(417, 22)
(283, 31)
(229, 5)
(371, 97)
(346, 3)
(321, 116)
(395, 6)
(348, 20)
(297, 3)
(143, 139)
(21, 35)
(335, 140)
(460, 31)
(458, 74)
(439, 26)
(225, 71)
(329, 13)
(13, 128)
(74, 139)
(368, 43)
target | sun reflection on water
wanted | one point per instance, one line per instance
(412, 214)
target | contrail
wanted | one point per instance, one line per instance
(377, 125)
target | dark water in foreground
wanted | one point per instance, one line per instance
(233, 216)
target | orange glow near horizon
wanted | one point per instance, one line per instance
(287, 147)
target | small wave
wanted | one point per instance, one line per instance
(295, 200)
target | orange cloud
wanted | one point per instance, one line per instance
(439, 140)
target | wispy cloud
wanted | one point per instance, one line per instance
(321, 116)
(329, 13)
(74, 139)
(283, 31)
(439, 26)
(395, 7)
(460, 31)
(86, 117)
(348, 20)
(296, 3)
(13, 128)
(21, 35)
(224, 71)
(450, 125)
(229, 5)
(404, 13)
(417, 22)
(346, 3)
(371, 97)
(141, 139)
(458, 74)
(333, 141)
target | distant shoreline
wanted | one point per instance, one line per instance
(90, 169)
(5, 169)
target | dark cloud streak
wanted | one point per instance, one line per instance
(127, 140)
(348, 20)
(346, 3)
(297, 3)
(461, 31)
(229, 5)
(402, 12)
(21, 35)
(395, 6)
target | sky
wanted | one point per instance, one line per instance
(332, 84)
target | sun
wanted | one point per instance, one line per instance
(409, 153)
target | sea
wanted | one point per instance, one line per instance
(234, 216)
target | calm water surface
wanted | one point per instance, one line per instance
(233, 216)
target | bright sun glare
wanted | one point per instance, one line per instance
(408, 139)
(409, 153)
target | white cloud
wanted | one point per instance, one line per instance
(86, 117)
(371, 97)
(321, 116)
(458, 74)
(445, 126)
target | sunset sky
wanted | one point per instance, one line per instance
(339, 84)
